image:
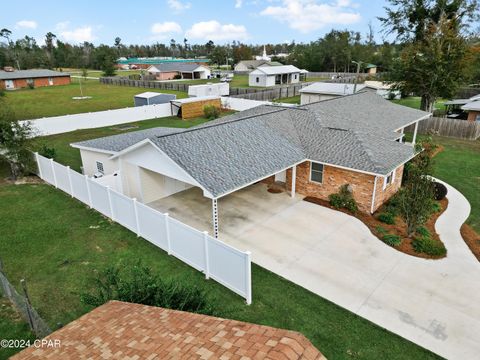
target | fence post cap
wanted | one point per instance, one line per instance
(134, 199)
(166, 214)
(205, 232)
(248, 252)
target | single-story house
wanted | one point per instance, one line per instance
(371, 69)
(250, 65)
(461, 108)
(274, 75)
(121, 330)
(193, 107)
(16, 79)
(473, 109)
(168, 71)
(151, 98)
(320, 91)
(383, 89)
(311, 149)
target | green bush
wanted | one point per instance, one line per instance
(436, 207)
(343, 199)
(48, 152)
(31, 85)
(381, 230)
(177, 77)
(423, 231)
(139, 285)
(211, 112)
(2, 91)
(387, 218)
(428, 246)
(392, 206)
(392, 239)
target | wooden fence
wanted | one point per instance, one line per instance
(460, 129)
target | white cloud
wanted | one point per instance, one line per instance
(178, 6)
(213, 30)
(26, 24)
(162, 30)
(309, 15)
(238, 4)
(77, 35)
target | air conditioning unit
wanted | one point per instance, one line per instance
(97, 175)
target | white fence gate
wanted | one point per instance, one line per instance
(219, 261)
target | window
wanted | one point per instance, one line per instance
(257, 79)
(478, 117)
(316, 172)
(295, 76)
(100, 167)
(389, 179)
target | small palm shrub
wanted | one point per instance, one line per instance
(343, 199)
(392, 239)
(387, 218)
(138, 284)
(426, 245)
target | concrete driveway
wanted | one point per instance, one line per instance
(434, 303)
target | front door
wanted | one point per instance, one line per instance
(9, 84)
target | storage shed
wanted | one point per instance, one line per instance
(219, 89)
(151, 98)
(190, 108)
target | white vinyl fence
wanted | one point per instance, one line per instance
(219, 261)
(66, 123)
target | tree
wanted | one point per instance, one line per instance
(209, 46)
(105, 59)
(432, 63)
(416, 197)
(13, 142)
(49, 47)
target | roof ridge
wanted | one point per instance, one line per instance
(365, 147)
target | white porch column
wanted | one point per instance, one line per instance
(215, 218)
(402, 132)
(294, 178)
(415, 134)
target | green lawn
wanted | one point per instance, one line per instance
(57, 100)
(459, 165)
(414, 102)
(12, 325)
(64, 244)
(67, 155)
(289, 100)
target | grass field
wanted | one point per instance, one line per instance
(57, 100)
(64, 244)
(414, 102)
(459, 165)
(289, 100)
(13, 324)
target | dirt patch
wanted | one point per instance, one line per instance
(472, 239)
(276, 188)
(399, 228)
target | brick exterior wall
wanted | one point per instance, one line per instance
(40, 82)
(472, 115)
(333, 178)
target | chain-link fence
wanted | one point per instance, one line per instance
(22, 303)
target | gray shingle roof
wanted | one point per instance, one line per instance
(242, 148)
(26, 74)
(177, 66)
(331, 88)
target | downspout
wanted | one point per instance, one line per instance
(372, 208)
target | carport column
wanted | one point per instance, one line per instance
(294, 178)
(415, 134)
(215, 218)
(402, 132)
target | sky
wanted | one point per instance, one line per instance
(147, 22)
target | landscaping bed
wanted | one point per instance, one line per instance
(472, 239)
(392, 234)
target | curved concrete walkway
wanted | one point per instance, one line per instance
(433, 303)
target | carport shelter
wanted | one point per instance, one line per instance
(311, 149)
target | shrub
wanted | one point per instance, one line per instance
(343, 199)
(392, 205)
(211, 112)
(426, 245)
(30, 85)
(392, 239)
(440, 191)
(387, 218)
(177, 77)
(138, 284)
(381, 230)
(423, 231)
(2, 91)
(48, 152)
(436, 207)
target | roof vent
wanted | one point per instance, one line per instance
(8, 69)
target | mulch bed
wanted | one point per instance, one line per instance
(399, 228)
(472, 239)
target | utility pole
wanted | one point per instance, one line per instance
(359, 63)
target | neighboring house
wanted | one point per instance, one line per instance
(383, 89)
(17, 79)
(169, 71)
(473, 109)
(151, 98)
(121, 330)
(144, 63)
(311, 149)
(462, 109)
(250, 65)
(320, 91)
(266, 76)
(371, 69)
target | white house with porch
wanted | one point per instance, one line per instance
(266, 76)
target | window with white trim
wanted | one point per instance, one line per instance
(389, 179)
(100, 168)
(257, 79)
(316, 172)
